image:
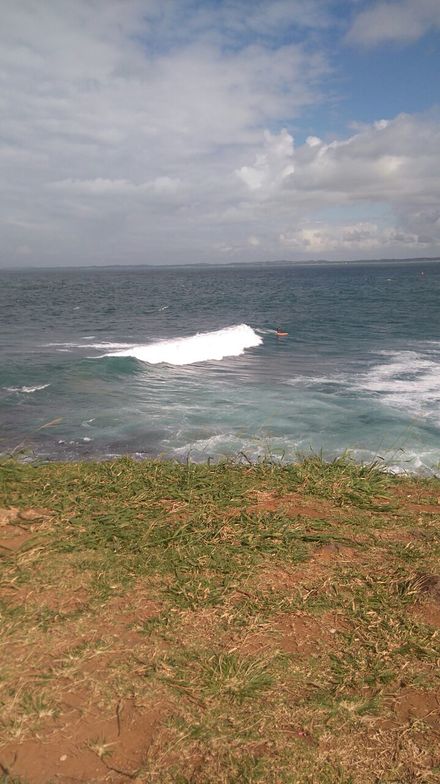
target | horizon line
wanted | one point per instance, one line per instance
(207, 264)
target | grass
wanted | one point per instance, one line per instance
(229, 623)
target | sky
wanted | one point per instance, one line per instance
(218, 131)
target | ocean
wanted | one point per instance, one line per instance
(185, 363)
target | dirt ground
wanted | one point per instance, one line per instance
(321, 649)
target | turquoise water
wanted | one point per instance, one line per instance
(359, 370)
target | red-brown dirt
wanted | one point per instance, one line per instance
(90, 747)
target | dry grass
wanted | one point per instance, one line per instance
(203, 624)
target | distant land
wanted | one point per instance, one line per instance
(285, 262)
(208, 265)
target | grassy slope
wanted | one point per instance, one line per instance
(168, 623)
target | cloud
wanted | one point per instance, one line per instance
(358, 238)
(396, 161)
(120, 117)
(254, 241)
(271, 166)
(403, 22)
(392, 166)
(143, 131)
(100, 186)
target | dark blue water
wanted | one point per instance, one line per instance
(359, 370)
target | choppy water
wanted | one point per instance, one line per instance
(116, 356)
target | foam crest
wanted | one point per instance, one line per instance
(204, 346)
(27, 390)
(102, 345)
(410, 381)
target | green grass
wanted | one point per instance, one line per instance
(278, 642)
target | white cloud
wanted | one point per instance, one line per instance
(401, 21)
(393, 166)
(149, 132)
(396, 161)
(100, 186)
(166, 185)
(97, 186)
(254, 241)
(313, 141)
(119, 117)
(356, 238)
(271, 166)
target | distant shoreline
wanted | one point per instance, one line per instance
(234, 264)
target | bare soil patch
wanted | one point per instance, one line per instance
(412, 498)
(277, 577)
(335, 553)
(31, 515)
(412, 704)
(401, 535)
(302, 633)
(294, 505)
(427, 612)
(12, 538)
(295, 633)
(17, 526)
(285, 578)
(91, 747)
(8, 515)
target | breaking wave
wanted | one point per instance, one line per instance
(69, 346)
(26, 390)
(204, 346)
(409, 381)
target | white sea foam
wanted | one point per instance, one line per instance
(410, 380)
(406, 380)
(311, 381)
(400, 461)
(104, 345)
(204, 346)
(27, 390)
(99, 346)
(223, 445)
(87, 422)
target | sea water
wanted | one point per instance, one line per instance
(185, 362)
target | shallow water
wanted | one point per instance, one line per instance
(116, 356)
